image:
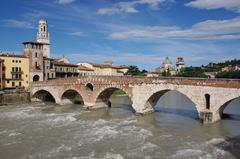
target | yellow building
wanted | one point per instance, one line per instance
(15, 71)
(105, 69)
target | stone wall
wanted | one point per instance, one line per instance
(14, 98)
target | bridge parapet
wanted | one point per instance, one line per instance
(103, 80)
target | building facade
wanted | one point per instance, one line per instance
(180, 64)
(34, 51)
(49, 69)
(63, 69)
(166, 67)
(106, 69)
(15, 71)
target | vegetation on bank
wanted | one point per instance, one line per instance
(198, 72)
(192, 72)
(232, 74)
(134, 71)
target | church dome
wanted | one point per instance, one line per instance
(167, 61)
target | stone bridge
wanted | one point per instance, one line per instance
(210, 96)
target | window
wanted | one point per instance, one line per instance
(36, 64)
(3, 68)
(16, 61)
(207, 97)
(16, 69)
(7, 81)
(13, 69)
(36, 54)
(13, 61)
(20, 84)
(26, 75)
(20, 61)
(47, 75)
(13, 84)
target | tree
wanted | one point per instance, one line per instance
(166, 73)
(133, 70)
(232, 74)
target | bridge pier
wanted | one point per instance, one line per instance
(207, 116)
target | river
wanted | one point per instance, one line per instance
(42, 131)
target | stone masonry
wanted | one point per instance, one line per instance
(143, 92)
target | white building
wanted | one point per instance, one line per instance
(43, 37)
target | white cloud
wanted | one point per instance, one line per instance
(233, 5)
(78, 33)
(130, 7)
(18, 24)
(210, 29)
(65, 1)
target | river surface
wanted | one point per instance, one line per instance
(42, 131)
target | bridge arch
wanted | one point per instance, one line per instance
(104, 95)
(153, 99)
(44, 96)
(226, 105)
(71, 96)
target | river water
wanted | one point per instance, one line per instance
(41, 131)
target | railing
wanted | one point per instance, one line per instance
(16, 72)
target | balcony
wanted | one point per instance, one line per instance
(16, 72)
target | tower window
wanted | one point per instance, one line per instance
(35, 54)
(44, 29)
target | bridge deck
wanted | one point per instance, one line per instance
(223, 83)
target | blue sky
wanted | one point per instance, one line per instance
(133, 32)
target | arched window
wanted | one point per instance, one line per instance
(89, 87)
(207, 98)
(36, 78)
(44, 28)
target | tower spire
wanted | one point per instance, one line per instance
(43, 37)
(42, 34)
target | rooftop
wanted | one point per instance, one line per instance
(11, 55)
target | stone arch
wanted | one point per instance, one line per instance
(225, 105)
(36, 78)
(156, 96)
(71, 96)
(103, 96)
(44, 96)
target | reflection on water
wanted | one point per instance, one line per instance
(51, 131)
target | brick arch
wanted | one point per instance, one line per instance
(71, 93)
(44, 95)
(103, 95)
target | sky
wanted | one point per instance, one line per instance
(128, 32)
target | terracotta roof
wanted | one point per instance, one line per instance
(80, 67)
(13, 55)
(47, 58)
(120, 67)
(64, 64)
(109, 66)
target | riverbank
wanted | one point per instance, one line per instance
(19, 97)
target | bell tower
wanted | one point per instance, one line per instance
(43, 37)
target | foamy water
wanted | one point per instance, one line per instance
(49, 131)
